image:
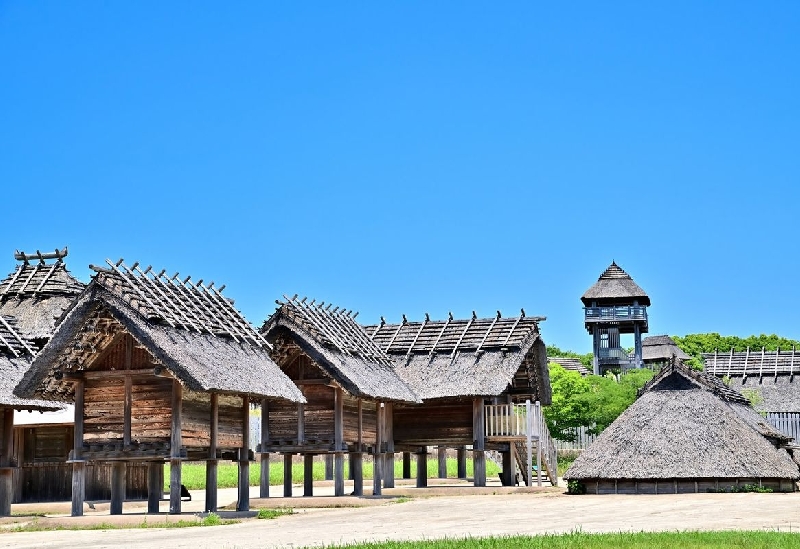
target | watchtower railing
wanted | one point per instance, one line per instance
(615, 314)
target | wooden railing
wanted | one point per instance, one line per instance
(504, 420)
(618, 314)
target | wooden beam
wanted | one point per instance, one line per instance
(357, 471)
(328, 467)
(479, 457)
(264, 488)
(155, 485)
(107, 374)
(461, 458)
(377, 458)
(175, 449)
(338, 429)
(212, 465)
(126, 413)
(388, 435)
(406, 464)
(308, 475)
(287, 475)
(118, 470)
(6, 474)
(244, 458)
(78, 465)
(422, 467)
(441, 452)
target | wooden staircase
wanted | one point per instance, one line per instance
(549, 467)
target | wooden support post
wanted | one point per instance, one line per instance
(356, 466)
(126, 413)
(442, 455)
(388, 469)
(308, 475)
(118, 470)
(264, 491)
(155, 485)
(338, 435)
(213, 462)
(328, 467)
(508, 467)
(175, 449)
(406, 464)
(287, 475)
(78, 465)
(461, 457)
(6, 473)
(377, 458)
(479, 457)
(243, 503)
(422, 467)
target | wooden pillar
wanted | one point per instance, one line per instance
(442, 455)
(406, 464)
(422, 467)
(328, 467)
(213, 462)
(118, 470)
(264, 491)
(78, 465)
(287, 475)
(479, 457)
(175, 449)
(388, 435)
(357, 468)
(308, 475)
(6, 472)
(508, 467)
(377, 458)
(338, 436)
(126, 413)
(155, 485)
(461, 457)
(243, 503)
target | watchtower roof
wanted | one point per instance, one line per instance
(615, 286)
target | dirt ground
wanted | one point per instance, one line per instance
(410, 513)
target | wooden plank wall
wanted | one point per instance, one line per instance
(282, 421)
(318, 412)
(369, 416)
(196, 421)
(103, 411)
(151, 413)
(53, 482)
(434, 423)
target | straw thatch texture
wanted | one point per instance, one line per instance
(468, 357)
(16, 354)
(661, 348)
(779, 393)
(683, 427)
(201, 360)
(615, 286)
(340, 346)
(37, 295)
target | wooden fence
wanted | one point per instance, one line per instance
(787, 423)
(582, 441)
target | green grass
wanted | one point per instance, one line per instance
(579, 540)
(193, 475)
(211, 519)
(274, 513)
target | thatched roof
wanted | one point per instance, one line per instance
(615, 286)
(568, 363)
(661, 348)
(189, 328)
(467, 357)
(16, 354)
(685, 426)
(339, 345)
(38, 292)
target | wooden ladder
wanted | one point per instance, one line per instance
(550, 472)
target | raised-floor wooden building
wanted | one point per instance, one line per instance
(160, 369)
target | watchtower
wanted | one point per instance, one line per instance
(615, 305)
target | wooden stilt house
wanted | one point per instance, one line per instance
(16, 354)
(160, 370)
(687, 432)
(473, 377)
(350, 387)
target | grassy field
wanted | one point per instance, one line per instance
(578, 540)
(193, 475)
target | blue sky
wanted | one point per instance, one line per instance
(416, 157)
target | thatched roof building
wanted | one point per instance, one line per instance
(660, 349)
(571, 364)
(468, 357)
(687, 432)
(37, 293)
(189, 328)
(615, 286)
(338, 344)
(16, 354)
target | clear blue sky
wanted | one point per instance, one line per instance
(416, 157)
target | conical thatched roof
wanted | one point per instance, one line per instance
(189, 328)
(38, 292)
(686, 425)
(661, 348)
(616, 287)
